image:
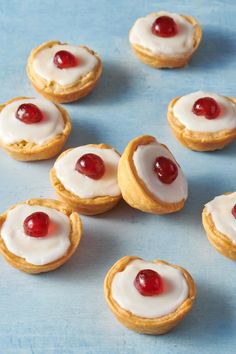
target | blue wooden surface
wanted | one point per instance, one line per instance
(65, 311)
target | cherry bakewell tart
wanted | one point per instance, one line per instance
(149, 177)
(85, 178)
(219, 221)
(164, 39)
(39, 235)
(149, 297)
(203, 121)
(63, 72)
(33, 128)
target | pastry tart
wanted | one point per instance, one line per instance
(149, 297)
(203, 121)
(149, 177)
(62, 72)
(164, 39)
(33, 128)
(85, 178)
(39, 235)
(219, 221)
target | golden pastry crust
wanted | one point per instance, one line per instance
(133, 189)
(58, 93)
(218, 240)
(75, 237)
(27, 151)
(86, 206)
(163, 61)
(199, 141)
(159, 325)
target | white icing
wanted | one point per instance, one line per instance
(43, 64)
(179, 45)
(144, 158)
(37, 251)
(220, 209)
(128, 297)
(83, 186)
(12, 130)
(182, 110)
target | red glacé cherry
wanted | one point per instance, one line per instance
(90, 165)
(37, 224)
(166, 170)
(164, 26)
(29, 113)
(234, 211)
(207, 107)
(148, 283)
(64, 59)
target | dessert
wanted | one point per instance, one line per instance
(63, 72)
(149, 177)
(33, 128)
(219, 221)
(149, 297)
(39, 235)
(86, 178)
(203, 121)
(164, 39)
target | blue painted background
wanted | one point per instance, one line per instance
(64, 312)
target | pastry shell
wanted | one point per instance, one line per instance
(159, 325)
(75, 237)
(133, 189)
(221, 242)
(27, 151)
(164, 61)
(86, 206)
(199, 141)
(59, 93)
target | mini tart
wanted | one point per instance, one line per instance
(63, 93)
(200, 140)
(147, 56)
(29, 151)
(86, 206)
(75, 237)
(157, 325)
(134, 191)
(218, 238)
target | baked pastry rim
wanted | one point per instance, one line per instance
(66, 194)
(143, 322)
(222, 243)
(75, 237)
(22, 148)
(127, 159)
(52, 87)
(207, 137)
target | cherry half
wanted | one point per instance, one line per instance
(166, 169)
(234, 211)
(90, 165)
(29, 113)
(37, 224)
(164, 26)
(148, 283)
(207, 107)
(64, 60)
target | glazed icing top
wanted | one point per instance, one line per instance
(128, 297)
(12, 130)
(36, 250)
(83, 186)
(144, 158)
(180, 44)
(220, 209)
(182, 110)
(43, 64)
